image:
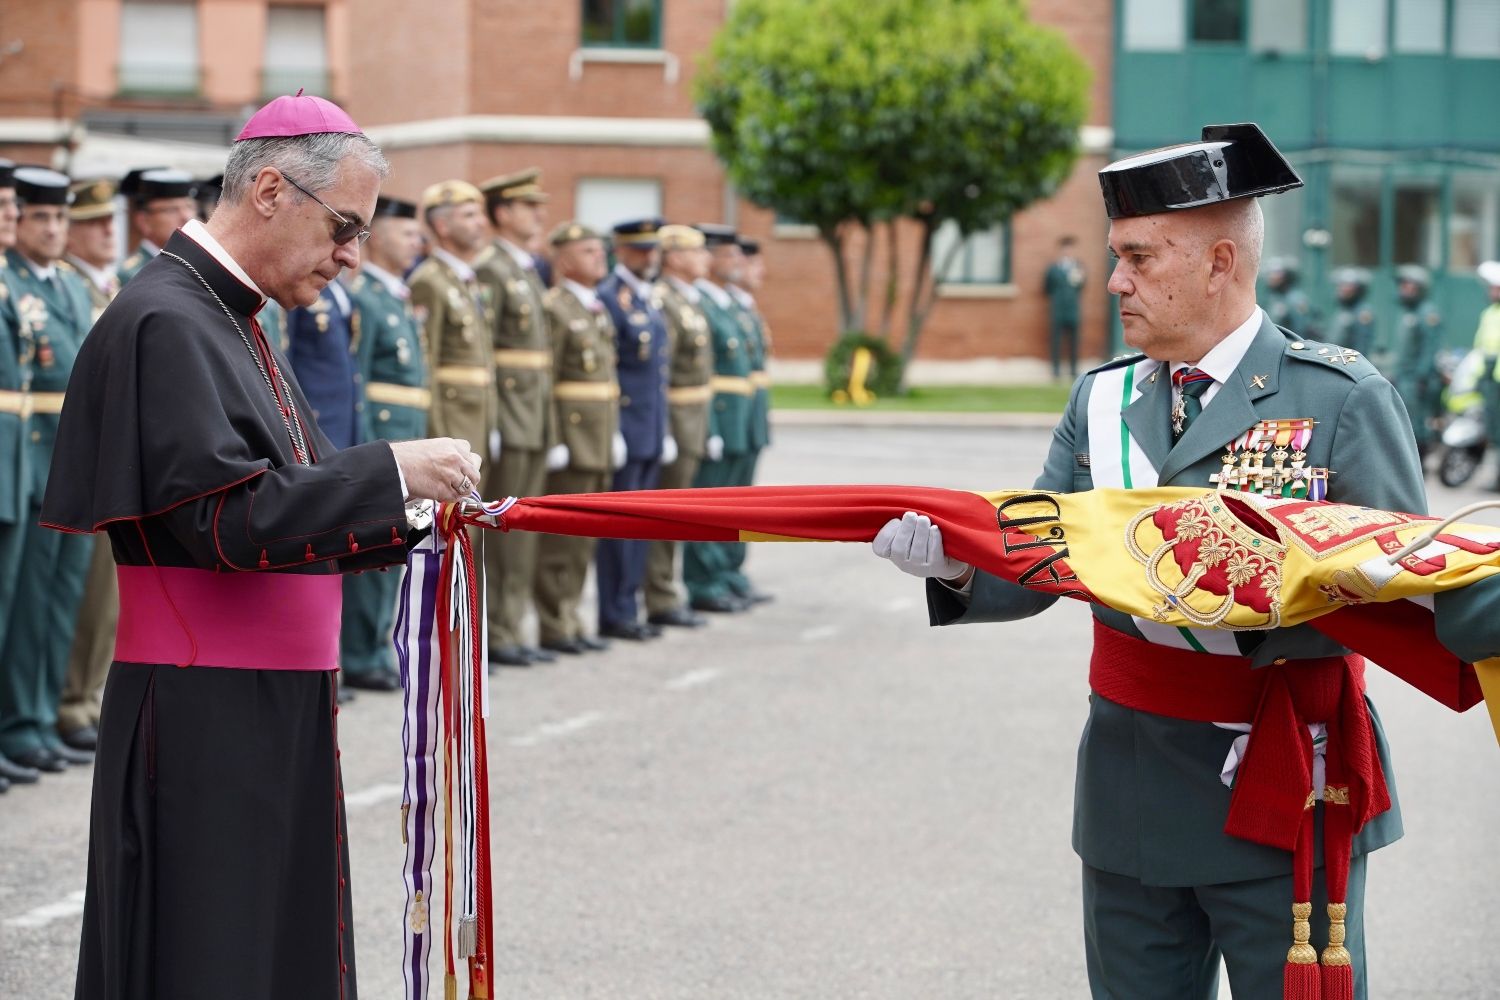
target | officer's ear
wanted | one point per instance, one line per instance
(1223, 259)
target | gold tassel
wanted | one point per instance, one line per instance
(1336, 953)
(450, 988)
(1302, 952)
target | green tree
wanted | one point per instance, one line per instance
(849, 115)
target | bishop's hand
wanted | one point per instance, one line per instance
(442, 469)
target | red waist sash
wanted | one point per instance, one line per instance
(255, 621)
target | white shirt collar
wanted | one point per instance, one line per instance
(1226, 355)
(583, 293)
(102, 277)
(43, 273)
(392, 283)
(464, 271)
(196, 231)
(689, 292)
(340, 298)
(721, 298)
(642, 289)
(741, 296)
(520, 256)
(151, 248)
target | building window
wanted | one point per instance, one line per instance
(296, 51)
(1476, 29)
(630, 23)
(159, 47)
(1278, 26)
(603, 201)
(1218, 20)
(982, 259)
(1355, 217)
(1419, 27)
(1417, 209)
(1474, 227)
(1357, 28)
(1154, 25)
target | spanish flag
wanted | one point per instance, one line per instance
(1190, 558)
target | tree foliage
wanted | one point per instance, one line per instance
(851, 114)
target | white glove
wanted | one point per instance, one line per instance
(668, 450)
(915, 545)
(714, 448)
(617, 450)
(557, 457)
(495, 445)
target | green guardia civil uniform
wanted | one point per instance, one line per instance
(17, 353)
(54, 565)
(1419, 336)
(524, 360)
(708, 567)
(587, 398)
(145, 253)
(390, 359)
(689, 398)
(1292, 309)
(1149, 804)
(1354, 328)
(758, 342)
(1063, 285)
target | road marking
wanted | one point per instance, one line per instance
(553, 730)
(693, 678)
(374, 795)
(899, 604)
(819, 632)
(69, 906)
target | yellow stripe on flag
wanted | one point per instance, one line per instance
(1489, 683)
(756, 536)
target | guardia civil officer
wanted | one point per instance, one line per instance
(161, 201)
(1419, 336)
(526, 415)
(392, 370)
(1286, 304)
(1063, 286)
(743, 289)
(16, 357)
(1354, 325)
(588, 412)
(52, 305)
(1183, 862)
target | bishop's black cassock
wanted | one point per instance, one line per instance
(217, 863)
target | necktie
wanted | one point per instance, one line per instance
(1189, 384)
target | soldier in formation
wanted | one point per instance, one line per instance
(1354, 324)
(1419, 335)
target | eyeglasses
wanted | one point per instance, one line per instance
(348, 229)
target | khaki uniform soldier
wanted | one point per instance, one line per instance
(449, 303)
(684, 260)
(161, 202)
(91, 253)
(523, 358)
(588, 401)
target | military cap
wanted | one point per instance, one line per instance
(92, 200)
(638, 232)
(572, 232)
(448, 193)
(1415, 273)
(211, 189)
(750, 247)
(130, 184)
(679, 238)
(1489, 272)
(7, 170)
(394, 208)
(155, 183)
(1286, 265)
(40, 186)
(1231, 161)
(716, 235)
(523, 185)
(1351, 276)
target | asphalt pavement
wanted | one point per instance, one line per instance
(822, 798)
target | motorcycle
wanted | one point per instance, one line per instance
(1463, 441)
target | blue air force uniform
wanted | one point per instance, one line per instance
(322, 343)
(643, 370)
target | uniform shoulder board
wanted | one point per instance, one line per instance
(63, 265)
(1335, 356)
(485, 256)
(358, 284)
(134, 260)
(1119, 361)
(551, 296)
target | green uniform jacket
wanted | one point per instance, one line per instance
(758, 337)
(1148, 800)
(59, 315)
(588, 397)
(1354, 328)
(1063, 285)
(1291, 309)
(692, 367)
(17, 353)
(461, 359)
(732, 411)
(132, 265)
(390, 359)
(1419, 335)
(524, 387)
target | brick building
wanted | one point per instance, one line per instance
(597, 93)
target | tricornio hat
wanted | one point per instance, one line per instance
(1231, 161)
(7, 170)
(297, 114)
(715, 235)
(394, 208)
(40, 186)
(160, 182)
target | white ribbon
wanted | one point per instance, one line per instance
(1317, 730)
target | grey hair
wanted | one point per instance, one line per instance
(314, 161)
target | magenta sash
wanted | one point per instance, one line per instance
(255, 621)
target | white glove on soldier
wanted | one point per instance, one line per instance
(668, 450)
(557, 457)
(714, 448)
(495, 446)
(915, 545)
